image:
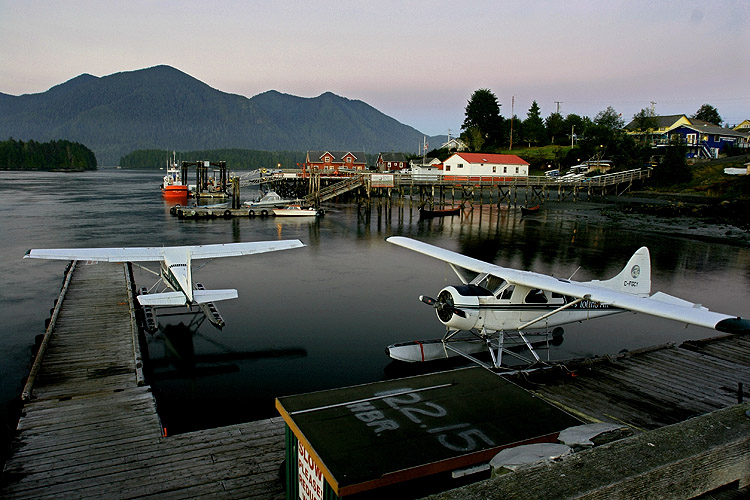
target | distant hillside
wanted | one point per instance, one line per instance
(164, 108)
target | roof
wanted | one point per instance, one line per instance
(336, 156)
(491, 158)
(393, 156)
(711, 128)
(665, 121)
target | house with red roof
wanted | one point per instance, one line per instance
(474, 166)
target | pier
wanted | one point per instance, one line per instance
(90, 428)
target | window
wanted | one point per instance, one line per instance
(327, 159)
(507, 292)
(536, 296)
(505, 170)
(517, 170)
(460, 165)
(349, 160)
(447, 168)
(494, 169)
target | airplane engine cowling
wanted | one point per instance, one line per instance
(463, 299)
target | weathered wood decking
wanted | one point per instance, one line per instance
(90, 427)
(91, 430)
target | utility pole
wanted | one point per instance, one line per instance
(512, 106)
(558, 106)
(652, 108)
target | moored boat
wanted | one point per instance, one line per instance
(269, 200)
(443, 212)
(530, 210)
(296, 211)
(172, 185)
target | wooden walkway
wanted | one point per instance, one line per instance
(90, 429)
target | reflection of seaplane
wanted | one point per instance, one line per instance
(494, 304)
(176, 270)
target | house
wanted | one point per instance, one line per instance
(334, 162)
(426, 169)
(454, 144)
(391, 161)
(744, 126)
(707, 140)
(703, 139)
(473, 166)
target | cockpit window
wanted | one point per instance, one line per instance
(536, 296)
(507, 292)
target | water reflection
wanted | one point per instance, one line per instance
(320, 317)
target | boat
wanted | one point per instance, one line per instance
(530, 210)
(269, 200)
(443, 212)
(172, 185)
(296, 211)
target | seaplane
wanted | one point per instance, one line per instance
(495, 306)
(175, 269)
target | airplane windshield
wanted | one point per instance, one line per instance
(536, 296)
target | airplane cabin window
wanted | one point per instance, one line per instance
(536, 296)
(508, 292)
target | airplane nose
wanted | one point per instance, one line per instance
(445, 306)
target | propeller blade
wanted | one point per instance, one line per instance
(428, 300)
(458, 312)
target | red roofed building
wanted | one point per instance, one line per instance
(473, 166)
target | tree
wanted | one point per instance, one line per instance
(645, 121)
(709, 114)
(483, 112)
(610, 119)
(556, 126)
(673, 169)
(533, 127)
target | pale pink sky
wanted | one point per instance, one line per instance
(416, 61)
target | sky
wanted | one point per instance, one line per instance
(416, 61)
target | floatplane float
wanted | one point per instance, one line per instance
(175, 283)
(494, 306)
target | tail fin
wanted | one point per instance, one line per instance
(634, 278)
(203, 296)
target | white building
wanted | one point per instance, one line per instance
(473, 166)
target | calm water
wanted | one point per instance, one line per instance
(321, 316)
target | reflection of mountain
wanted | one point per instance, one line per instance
(181, 361)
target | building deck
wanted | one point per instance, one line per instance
(90, 427)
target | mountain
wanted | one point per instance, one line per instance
(164, 108)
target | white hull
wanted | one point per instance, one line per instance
(430, 350)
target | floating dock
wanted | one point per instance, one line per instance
(90, 428)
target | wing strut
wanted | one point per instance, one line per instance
(547, 315)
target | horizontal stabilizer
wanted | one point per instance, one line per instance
(203, 296)
(162, 299)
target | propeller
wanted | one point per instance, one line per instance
(444, 305)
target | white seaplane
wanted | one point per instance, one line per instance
(176, 269)
(495, 304)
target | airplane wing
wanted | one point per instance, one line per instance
(658, 304)
(156, 254)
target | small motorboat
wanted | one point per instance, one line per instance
(296, 211)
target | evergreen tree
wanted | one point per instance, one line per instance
(709, 114)
(533, 126)
(556, 128)
(483, 112)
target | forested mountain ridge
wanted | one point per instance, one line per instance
(164, 108)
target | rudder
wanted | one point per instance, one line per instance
(635, 277)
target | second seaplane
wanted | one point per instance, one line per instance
(176, 269)
(498, 306)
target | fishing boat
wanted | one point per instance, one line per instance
(172, 186)
(443, 212)
(296, 211)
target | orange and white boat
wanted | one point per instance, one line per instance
(172, 185)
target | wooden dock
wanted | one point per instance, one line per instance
(90, 428)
